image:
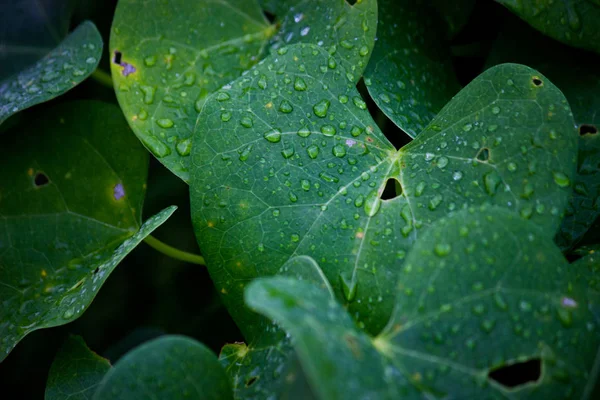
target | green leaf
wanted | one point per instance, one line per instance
(170, 367)
(460, 313)
(410, 76)
(59, 71)
(30, 29)
(75, 372)
(72, 188)
(268, 184)
(267, 367)
(576, 73)
(574, 22)
(166, 67)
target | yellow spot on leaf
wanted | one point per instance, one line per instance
(44, 273)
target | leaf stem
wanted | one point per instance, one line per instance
(102, 77)
(173, 252)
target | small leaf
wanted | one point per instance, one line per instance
(75, 372)
(66, 221)
(444, 339)
(410, 76)
(574, 22)
(310, 181)
(59, 71)
(170, 367)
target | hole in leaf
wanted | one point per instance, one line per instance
(117, 57)
(483, 154)
(41, 179)
(251, 381)
(96, 270)
(537, 81)
(351, 2)
(586, 129)
(270, 16)
(392, 189)
(517, 374)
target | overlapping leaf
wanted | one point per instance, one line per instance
(164, 64)
(75, 372)
(463, 309)
(410, 75)
(574, 22)
(56, 73)
(170, 367)
(280, 171)
(576, 73)
(72, 188)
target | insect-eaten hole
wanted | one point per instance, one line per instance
(587, 129)
(251, 381)
(269, 16)
(41, 179)
(517, 374)
(351, 2)
(392, 189)
(117, 57)
(483, 155)
(537, 81)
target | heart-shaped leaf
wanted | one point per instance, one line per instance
(576, 73)
(59, 71)
(463, 312)
(410, 76)
(75, 372)
(574, 22)
(164, 66)
(67, 221)
(170, 367)
(280, 172)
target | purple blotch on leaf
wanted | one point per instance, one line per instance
(128, 69)
(119, 191)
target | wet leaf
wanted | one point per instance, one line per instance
(576, 73)
(75, 372)
(59, 71)
(410, 76)
(267, 367)
(460, 314)
(72, 188)
(170, 367)
(164, 67)
(308, 181)
(574, 22)
(30, 29)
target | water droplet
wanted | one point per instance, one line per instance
(419, 189)
(247, 122)
(467, 127)
(300, 84)
(225, 116)
(91, 60)
(442, 162)
(561, 179)
(339, 150)
(293, 197)
(457, 175)
(287, 153)
(285, 107)
(349, 286)
(435, 201)
(313, 151)
(565, 317)
(488, 325)
(184, 147)
(68, 313)
(491, 181)
(262, 82)
(148, 92)
(246, 153)
(150, 61)
(273, 135)
(372, 203)
(222, 96)
(512, 167)
(328, 130)
(304, 132)
(320, 109)
(442, 249)
(360, 103)
(305, 185)
(496, 110)
(276, 212)
(165, 123)
(156, 147)
(364, 50)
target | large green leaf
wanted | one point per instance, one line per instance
(410, 76)
(577, 74)
(168, 56)
(280, 172)
(574, 22)
(30, 29)
(75, 372)
(59, 71)
(266, 367)
(464, 308)
(72, 189)
(170, 367)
